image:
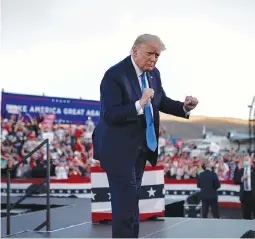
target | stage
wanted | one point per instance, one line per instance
(73, 219)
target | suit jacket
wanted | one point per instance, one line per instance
(209, 183)
(120, 132)
(237, 179)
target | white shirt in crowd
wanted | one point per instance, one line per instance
(139, 73)
(90, 126)
(224, 174)
(247, 171)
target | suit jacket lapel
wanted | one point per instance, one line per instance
(136, 86)
(131, 74)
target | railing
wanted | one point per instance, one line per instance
(28, 193)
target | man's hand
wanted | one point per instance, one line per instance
(190, 103)
(148, 94)
(244, 177)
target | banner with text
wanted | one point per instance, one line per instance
(69, 111)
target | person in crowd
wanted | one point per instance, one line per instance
(221, 168)
(245, 177)
(209, 183)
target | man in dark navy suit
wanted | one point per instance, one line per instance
(245, 177)
(127, 132)
(209, 183)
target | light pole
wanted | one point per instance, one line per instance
(252, 125)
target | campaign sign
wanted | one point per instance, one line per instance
(69, 111)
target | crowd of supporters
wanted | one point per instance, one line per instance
(187, 164)
(71, 151)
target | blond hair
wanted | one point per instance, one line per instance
(149, 38)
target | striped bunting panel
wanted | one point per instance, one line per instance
(152, 199)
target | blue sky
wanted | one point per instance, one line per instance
(63, 47)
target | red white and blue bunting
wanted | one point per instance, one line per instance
(154, 187)
(152, 198)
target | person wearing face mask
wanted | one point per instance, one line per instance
(209, 183)
(131, 97)
(245, 177)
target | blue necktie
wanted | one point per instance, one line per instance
(150, 130)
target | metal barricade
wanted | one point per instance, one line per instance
(28, 193)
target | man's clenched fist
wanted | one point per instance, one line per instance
(190, 103)
(148, 94)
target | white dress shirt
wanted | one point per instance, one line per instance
(139, 73)
(248, 171)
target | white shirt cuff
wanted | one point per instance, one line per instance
(139, 108)
(186, 112)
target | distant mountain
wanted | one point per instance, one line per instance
(192, 128)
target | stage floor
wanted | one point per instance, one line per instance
(74, 221)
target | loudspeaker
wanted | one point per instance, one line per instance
(248, 234)
(174, 209)
(194, 198)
